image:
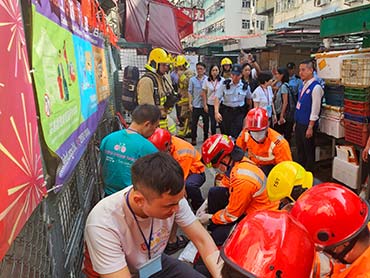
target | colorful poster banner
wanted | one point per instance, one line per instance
(101, 74)
(56, 81)
(21, 182)
(85, 71)
(66, 87)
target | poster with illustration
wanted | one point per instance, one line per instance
(101, 74)
(56, 81)
(22, 185)
(86, 80)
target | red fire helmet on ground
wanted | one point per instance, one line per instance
(270, 244)
(331, 213)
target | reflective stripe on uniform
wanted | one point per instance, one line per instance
(163, 100)
(270, 156)
(172, 129)
(187, 151)
(225, 214)
(253, 175)
(163, 123)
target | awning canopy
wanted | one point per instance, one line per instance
(347, 22)
(158, 23)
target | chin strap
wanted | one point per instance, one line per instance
(340, 256)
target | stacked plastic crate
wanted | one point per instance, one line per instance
(356, 79)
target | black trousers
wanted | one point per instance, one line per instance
(218, 198)
(211, 114)
(305, 147)
(285, 129)
(173, 268)
(232, 120)
(197, 112)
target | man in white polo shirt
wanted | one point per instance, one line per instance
(127, 232)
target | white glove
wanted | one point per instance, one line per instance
(205, 218)
(202, 209)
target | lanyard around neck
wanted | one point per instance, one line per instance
(147, 242)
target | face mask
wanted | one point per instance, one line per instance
(258, 136)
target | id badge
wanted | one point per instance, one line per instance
(298, 105)
(150, 267)
(269, 110)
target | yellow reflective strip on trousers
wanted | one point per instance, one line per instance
(163, 123)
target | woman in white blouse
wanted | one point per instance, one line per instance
(263, 95)
(210, 86)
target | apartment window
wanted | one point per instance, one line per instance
(246, 24)
(253, 3)
(257, 24)
(262, 25)
(246, 3)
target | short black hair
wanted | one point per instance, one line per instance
(264, 76)
(158, 172)
(201, 64)
(309, 63)
(285, 74)
(146, 112)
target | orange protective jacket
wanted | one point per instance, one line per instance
(247, 188)
(360, 268)
(187, 156)
(272, 151)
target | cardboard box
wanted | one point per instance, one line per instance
(346, 172)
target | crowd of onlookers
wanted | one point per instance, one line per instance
(265, 217)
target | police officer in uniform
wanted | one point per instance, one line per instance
(233, 94)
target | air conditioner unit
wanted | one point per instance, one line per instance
(320, 3)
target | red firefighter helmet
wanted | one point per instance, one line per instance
(270, 244)
(257, 119)
(161, 138)
(215, 148)
(331, 213)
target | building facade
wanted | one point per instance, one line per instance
(231, 24)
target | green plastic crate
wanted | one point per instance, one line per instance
(357, 94)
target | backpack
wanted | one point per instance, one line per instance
(292, 102)
(129, 94)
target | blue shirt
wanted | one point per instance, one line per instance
(195, 89)
(295, 84)
(235, 96)
(119, 150)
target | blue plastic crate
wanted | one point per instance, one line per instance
(356, 118)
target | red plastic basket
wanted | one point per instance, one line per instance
(355, 132)
(361, 108)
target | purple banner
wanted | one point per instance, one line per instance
(73, 148)
(48, 8)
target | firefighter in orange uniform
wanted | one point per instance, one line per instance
(188, 158)
(264, 146)
(244, 191)
(338, 222)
